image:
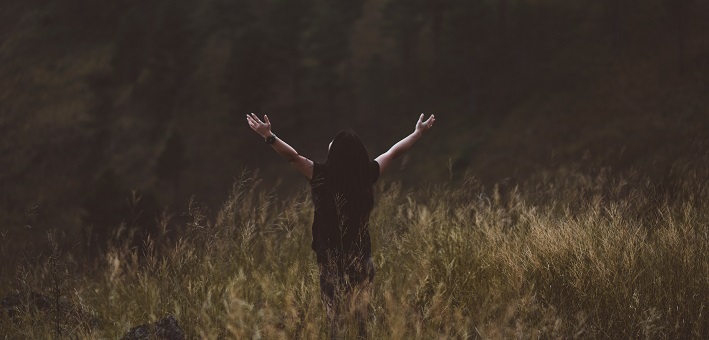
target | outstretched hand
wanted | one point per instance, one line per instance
(262, 128)
(423, 126)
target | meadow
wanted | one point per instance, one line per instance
(567, 254)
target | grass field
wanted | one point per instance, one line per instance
(567, 255)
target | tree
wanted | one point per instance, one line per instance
(678, 11)
(171, 162)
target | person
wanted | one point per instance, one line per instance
(343, 199)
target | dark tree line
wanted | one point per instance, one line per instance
(165, 85)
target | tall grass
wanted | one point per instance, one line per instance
(568, 255)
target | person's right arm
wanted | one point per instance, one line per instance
(263, 128)
(405, 144)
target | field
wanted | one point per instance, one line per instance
(567, 255)
(562, 194)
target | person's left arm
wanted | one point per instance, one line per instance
(263, 128)
(405, 144)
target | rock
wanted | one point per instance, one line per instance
(163, 329)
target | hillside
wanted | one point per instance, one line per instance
(101, 98)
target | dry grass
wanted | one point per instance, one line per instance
(566, 256)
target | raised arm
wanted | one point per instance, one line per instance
(405, 144)
(263, 128)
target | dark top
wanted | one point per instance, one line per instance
(330, 238)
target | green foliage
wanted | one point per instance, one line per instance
(564, 256)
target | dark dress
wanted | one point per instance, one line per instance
(343, 248)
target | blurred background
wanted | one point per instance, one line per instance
(115, 112)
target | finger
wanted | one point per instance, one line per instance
(265, 117)
(429, 120)
(421, 118)
(251, 121)
(254, 117)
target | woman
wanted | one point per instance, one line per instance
(343, 199)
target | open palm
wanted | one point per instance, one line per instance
(423, 126)
(263, 128)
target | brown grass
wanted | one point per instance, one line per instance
(568, 255)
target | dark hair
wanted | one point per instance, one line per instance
(349, 177)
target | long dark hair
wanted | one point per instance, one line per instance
(348, 168)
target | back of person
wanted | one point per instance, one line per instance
(341, 224)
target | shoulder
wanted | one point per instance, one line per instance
(319, 170)
(374, 171)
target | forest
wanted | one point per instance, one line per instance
(102, 98)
